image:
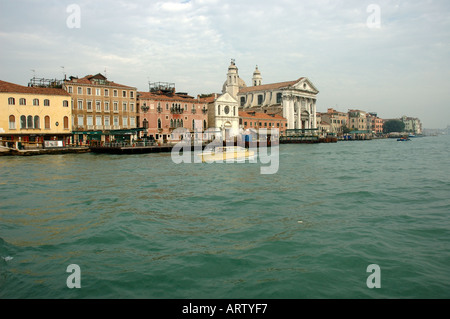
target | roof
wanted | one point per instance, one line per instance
(266, 87)
(7, 87)
(163, 97)
(89, 80)
(261, 116)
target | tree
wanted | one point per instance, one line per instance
(393, 126)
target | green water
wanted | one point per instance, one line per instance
(140, 226)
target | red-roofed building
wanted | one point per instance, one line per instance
(257, 120)
(162, 110)
(102, 110)
(30, 116)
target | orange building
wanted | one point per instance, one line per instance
(256, 120)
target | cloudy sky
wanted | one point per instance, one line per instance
(390, 57)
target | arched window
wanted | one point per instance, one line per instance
(47, 122)
(37, 122)
(234, 110)
(11, 101)
(193, 124)
(22, 101)
(66, 122)
(12, 122)
(46, 102)
(279, 98)
(204, 124)
(218, 110)
(23, 121)
(171, 122)
(66, 103)
(36, 102)
(159, 123)
(181, 123)
(29, 121)
(145, 123)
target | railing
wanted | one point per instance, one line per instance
(176, 110)
(159, 109)
(204, 111)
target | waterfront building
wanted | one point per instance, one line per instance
(102, 110)
(162, 110)
(294, 100)
(251, 120)
(223, 116)
(357, 121)
(412, 124)
(32, 116)
(376, 124)
(335, 121)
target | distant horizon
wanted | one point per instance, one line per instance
(388, 57)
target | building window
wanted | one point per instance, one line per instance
(80, 120)
(125, 121)
(116, 107)
(279, 98)
(167, 106)
(242, 100)
(106, 92)
(116, 121)
(65, 103)
(66, 122)
(22, 101)
(106, 107)
(124, 93)
(89, 121)
(69, 89)
(132, 107)
(204, 124)
(35, 102)
(132, 94)
(29, 121)
(23, 121)
(260, 99)
(98, 106)
(46, 102)
(218, 110)
(47, 122)
(145, 123)
(79, 90)
(80, 104)
(88, 91)
(97, 92)
(12, 122)
(11, 101)
(159, 123)
(89, 106)
(124, 106)
(37, 122)
(98, 120)
(132, 122)
(107, 121)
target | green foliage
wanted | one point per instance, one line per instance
(393, 126)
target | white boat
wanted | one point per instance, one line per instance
(223, 153)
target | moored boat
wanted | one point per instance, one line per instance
(223, 153)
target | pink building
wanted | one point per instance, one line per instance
(161, 111)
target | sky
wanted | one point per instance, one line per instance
(388, 57)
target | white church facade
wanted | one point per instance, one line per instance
(294, 100)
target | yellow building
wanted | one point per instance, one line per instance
(30, 116)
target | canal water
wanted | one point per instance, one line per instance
(141, 226)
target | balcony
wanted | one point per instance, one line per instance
(159, 109)
(205, 110)
(194, 111)
(177, 110)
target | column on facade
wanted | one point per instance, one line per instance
(298, 100)
(314, 113)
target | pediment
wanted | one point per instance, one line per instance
(304, 84)
(226, 98)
